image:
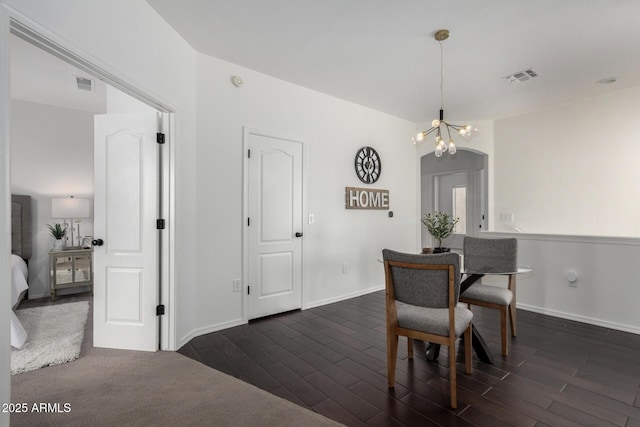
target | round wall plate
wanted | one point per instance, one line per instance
(368, 165)
(237, 81)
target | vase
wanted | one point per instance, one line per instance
(441, 250)
(57, 244)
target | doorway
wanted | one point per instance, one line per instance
(159, 293)
(455, 185)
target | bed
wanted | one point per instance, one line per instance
(20, 253)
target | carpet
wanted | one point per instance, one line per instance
(54, 336)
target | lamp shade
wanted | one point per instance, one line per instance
(69, 207)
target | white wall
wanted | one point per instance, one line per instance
(5, 217)
(118, 102)
(572, 169)
(606, 292)
(51, 156)
(333, 131)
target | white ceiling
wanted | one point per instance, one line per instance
(37, 76)
(381, 53)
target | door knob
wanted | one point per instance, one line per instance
(298, 234)
(97, 242)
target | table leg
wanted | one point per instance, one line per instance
(480, 347)
(433, 351)
(512, 306)
(477, 342)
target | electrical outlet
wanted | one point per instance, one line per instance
(236, 285)
(312, 218)
(506, 217)
(344, 268)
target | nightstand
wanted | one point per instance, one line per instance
(70, 268)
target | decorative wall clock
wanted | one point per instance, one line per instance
(368, 165)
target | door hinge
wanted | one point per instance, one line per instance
(160, 138)
(160, 310)
(248, 290)
(160, 224)
(248, 222)
(249, 154)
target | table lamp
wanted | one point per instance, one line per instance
(70, 208)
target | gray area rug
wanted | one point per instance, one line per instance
(54, 336)
(107, 387)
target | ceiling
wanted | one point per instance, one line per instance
(377, 54)
(382, 54)
(39, 77)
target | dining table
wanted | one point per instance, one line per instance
(471, 276)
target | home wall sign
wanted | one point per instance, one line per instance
(368, 165)
(366, 198)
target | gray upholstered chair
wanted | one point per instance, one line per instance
(422, 303)
(493, 256)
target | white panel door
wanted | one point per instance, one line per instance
(125, 208)
(274, 225)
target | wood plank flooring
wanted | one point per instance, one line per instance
(332, 360)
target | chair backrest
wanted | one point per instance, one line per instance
(490, 255)
(425, 288)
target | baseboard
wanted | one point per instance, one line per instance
(226, 325)
(343, 297)
(582, 319)
(208, 329)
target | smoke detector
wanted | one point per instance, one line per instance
(84, 83)
(521, 76)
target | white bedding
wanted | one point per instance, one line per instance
(19, 275)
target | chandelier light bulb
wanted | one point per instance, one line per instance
(462, 131)
(420, 136)
(452, 147)
(435, 123)
(443, 146)
(438, 151)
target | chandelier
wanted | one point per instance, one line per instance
(440, 125)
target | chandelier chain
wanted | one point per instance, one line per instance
(441, 76)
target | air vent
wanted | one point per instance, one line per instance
(84, 83)
(521, 76)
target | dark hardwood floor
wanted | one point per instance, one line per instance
(332, 360)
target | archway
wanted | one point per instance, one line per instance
(457, 185)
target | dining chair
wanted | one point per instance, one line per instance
(493, 256)
(422, 303)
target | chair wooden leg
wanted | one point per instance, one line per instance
(512, 306)
(410, 347)
(503, 330)
(467, 350)
(392, 356)
(452, 375)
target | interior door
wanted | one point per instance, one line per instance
(274, 225)
(125, 205)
